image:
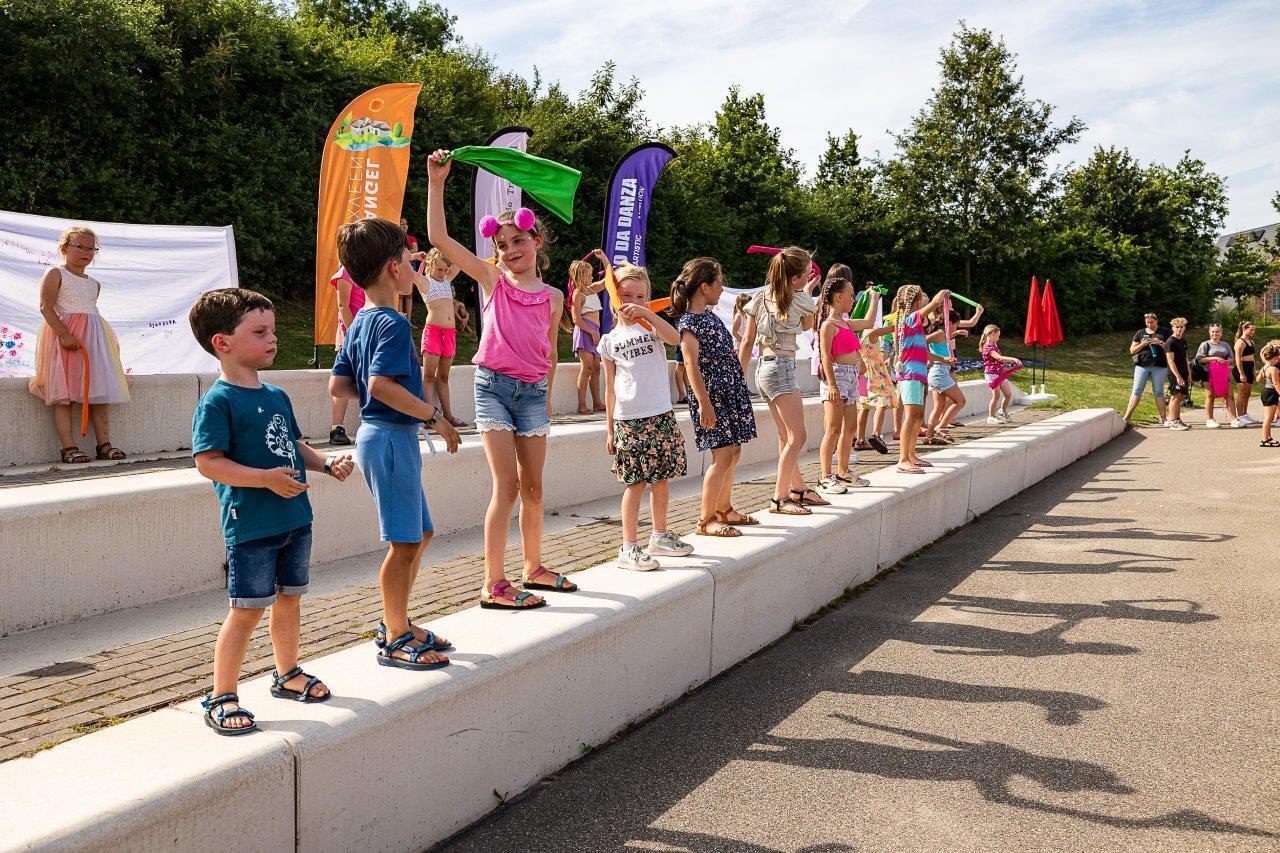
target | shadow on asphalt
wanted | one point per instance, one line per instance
(631, 783)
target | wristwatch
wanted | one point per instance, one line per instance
(328, 465)
(435, 416)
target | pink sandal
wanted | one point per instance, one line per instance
(561, 583)
(503, 596)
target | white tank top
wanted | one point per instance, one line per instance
(78, 294)
(592, 303)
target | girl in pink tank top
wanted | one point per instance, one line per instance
(514, 377)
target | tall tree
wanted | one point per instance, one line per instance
(1245, 270)
(972, 171)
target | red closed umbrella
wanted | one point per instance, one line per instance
(1031, 331)
(1050, 325)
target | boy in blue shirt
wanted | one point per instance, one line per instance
(378, 366)
(245, 439)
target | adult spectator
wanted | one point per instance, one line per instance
(1215, 355)
(1242, 370)
(1179, 372)
(1149, 364)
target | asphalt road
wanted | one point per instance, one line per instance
(1090, 666)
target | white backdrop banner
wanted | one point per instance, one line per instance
(724, 310)
(151, 275)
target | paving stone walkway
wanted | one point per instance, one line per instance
(44, 707)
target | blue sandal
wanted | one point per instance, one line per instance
(432, 641)
(404, 643)
(217, 721)
(304, 695)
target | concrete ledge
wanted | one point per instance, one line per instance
(584, 667)
(105, 524)
(152, 783)
(158, 417)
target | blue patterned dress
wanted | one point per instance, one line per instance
(722, 374)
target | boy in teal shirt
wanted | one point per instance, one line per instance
(246, 440)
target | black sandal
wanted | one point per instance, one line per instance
(877, 444)
(805, 500)
(437, 644)
(217, 721)
(1269, 442)
(304, 695)
(797, 508)
(404, 642)
(114, 454)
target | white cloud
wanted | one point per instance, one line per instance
(1156, 77)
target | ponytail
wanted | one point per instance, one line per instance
(902, 302)
(832, 288)
(990, 330)
(693, 275)
(784, 266)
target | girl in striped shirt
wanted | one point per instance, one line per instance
(910, 361)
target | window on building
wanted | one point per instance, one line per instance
(1275, 302)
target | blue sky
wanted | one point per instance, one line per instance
(1156, 77)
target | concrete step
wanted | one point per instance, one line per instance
(593, 662)
(86, 546)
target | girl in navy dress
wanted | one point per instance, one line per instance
(719, 403)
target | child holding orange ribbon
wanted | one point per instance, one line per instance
(77, 354)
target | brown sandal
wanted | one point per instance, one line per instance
(740, 521)
(723, 529)
(805, 500)
(114, 454)
(74, 456)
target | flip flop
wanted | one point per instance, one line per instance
(911, 469)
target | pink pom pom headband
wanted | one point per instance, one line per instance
(524, 220)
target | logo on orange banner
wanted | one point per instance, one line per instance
(362, 175)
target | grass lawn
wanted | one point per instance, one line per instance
(1090, 371)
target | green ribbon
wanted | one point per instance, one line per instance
(551, 184)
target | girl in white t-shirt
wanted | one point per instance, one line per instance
(641, 430)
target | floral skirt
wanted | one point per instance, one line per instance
(648, 450)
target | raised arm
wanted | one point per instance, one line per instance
(972, 321)
(458, 255)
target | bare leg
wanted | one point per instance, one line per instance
(430, 367)
(597, 398)
(832, 415)
(584, 380)
(659, 497)
(62, 425)
(844, 450)
(1268, 418)
(286, 619)
(995, 397)
(632, 495)
(99, 417)
(1244, 391)
(500, 451)
(864, 413)
(788, 414)
(399, 571)
(531, 458)
(229, 652)
(442, 387)
(717, 482)
(877, 424)
(909, 434)
(337, 410)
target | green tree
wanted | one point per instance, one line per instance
(1245, 270)
(420, 27)
(972, 171)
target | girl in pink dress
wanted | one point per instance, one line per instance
(77, 354)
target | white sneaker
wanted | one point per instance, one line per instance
(1251, 419)
(631, 557)
(1236, 424)
(833, 486)
(1006, 417)
(668, 544)
(994, 421)
(1211, 424)
(858, 482)
(1179, 426)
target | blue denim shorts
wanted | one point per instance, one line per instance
(940, 378)
(776, 375)
(506, 403)
(390, 459)
(258, 568)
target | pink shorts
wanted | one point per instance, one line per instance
(440, 341)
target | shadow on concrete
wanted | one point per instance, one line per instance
(630, 785)
(1061, 707)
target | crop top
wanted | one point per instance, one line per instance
(845, 342)
(771, 331)
(436, 289)
(591, 302)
